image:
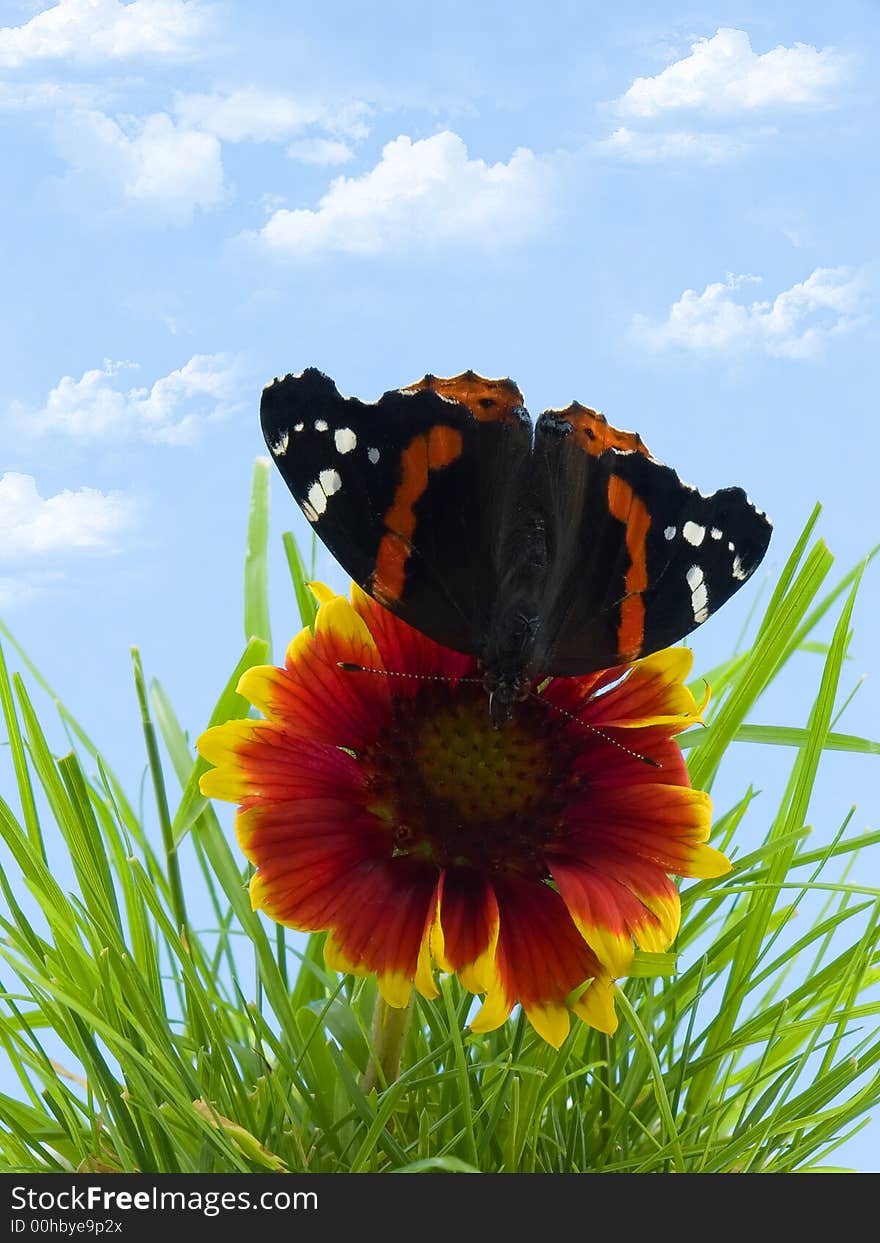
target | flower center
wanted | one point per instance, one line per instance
(458, 792)
(485, 773)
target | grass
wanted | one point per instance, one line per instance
(752, 1046)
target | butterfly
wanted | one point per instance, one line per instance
(552, 550)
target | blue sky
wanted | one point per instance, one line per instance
(670, 216)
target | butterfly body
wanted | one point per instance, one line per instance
(557, 550)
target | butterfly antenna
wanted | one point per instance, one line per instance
(349, 667)
(594, 729)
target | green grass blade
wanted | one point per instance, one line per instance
(256, 564)
(19, 759)
(790, 736)
(308, 605)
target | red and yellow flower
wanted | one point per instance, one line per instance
(387, 810)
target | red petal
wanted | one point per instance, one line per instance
(312, 697)
(653, 687)
(609, 914)
(268, 831)
(404, 649)
(381, 919)
(603, 763)
(541, 956)
(468, 917)
(263, 760)
(305, 852)
(663, 825)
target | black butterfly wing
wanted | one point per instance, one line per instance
(409, 493)
(638, 559)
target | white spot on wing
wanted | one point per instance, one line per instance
(330, 481)
(738, 571)
(715, 533)
(317, 500)
(373, 455)
(699, 594)
(309, 512)
(693, 533)
(320, 425)
(279, 448)
(297, 427)
(669, 532)
(729, 546)
(344, 439)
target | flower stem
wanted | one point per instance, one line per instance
(390, 1025)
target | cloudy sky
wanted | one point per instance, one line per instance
(671, 217)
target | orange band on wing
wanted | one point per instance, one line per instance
(401, 517)
(427, 451)
(631, 510)
(594, 434)
(444, 446)
(386, 582)
(489, 401)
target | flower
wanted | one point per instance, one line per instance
(387, 809)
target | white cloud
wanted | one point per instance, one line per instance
(423, 192)
(320, 151)
(173, 411)
(723, 75)
(34, 96)
(254, 115)
(98, 30)
(796, 324)
(164, 170)
(34, 526)
(645, 147)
